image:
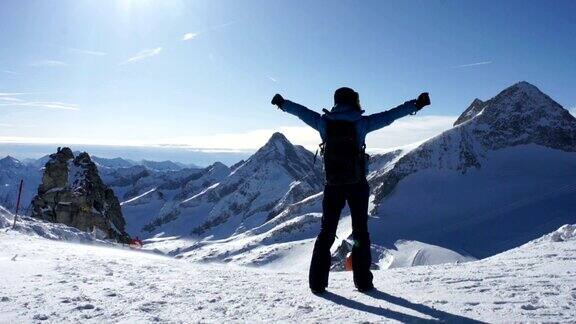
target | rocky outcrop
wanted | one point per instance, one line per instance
(338, 261)
(474, 109)
(73, 193)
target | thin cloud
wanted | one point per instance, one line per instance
(143, 55)
(87, 52)
(48, 63)
(56, 105)
(272, 79)
(473, 64)
(11, 99)
(17, 125)
(224, 25)
(10, 72)
(189, 36)
(402, 132)
(10, 94)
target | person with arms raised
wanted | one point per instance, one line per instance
(343, 130)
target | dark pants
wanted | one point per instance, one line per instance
(335, 197)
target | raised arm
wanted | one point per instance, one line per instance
(385, 118)
(310, 117)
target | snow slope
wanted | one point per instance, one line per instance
(57, 282)
(53, 231)
(504, 175)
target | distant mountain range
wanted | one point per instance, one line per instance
(502, 176)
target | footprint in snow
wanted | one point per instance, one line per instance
(152, 306)
(85, 307)
(40, 317)
(530, 307)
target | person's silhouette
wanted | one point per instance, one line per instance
(343, 130)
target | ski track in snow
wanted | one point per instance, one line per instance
(51, 281)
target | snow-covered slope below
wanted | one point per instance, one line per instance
(519, 193)
(53, 231)
(57, 282)
(504, 175)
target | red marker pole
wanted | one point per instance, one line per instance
(18, 203)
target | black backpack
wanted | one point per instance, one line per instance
(344, 159)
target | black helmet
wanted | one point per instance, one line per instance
(347, 96)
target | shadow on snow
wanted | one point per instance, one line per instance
(437, 315)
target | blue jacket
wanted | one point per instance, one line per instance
(364, 124)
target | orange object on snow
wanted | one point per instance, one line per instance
(348, 262)
(135, 243)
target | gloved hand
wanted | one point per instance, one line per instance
(278, 100)
(423, 100)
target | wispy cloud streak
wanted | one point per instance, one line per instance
(473, 64)
(10, 94)
(43, 104)
(12, 100)
(48, 63)
(224, 25)
(143, 55)
(87, 52)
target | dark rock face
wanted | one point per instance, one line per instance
(338, 261)
(72, 193)
(474, 109)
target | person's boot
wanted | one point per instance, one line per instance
(365, 289)
(320, 264)
(361, 262)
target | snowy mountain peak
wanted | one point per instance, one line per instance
(10, 162)
(217, 165)
(520, 114)
(255, 191)
(277, 136)
(277, 142)
(474, 109)
(525, 86)
(523, 97)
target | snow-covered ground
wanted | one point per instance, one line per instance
(54, 281)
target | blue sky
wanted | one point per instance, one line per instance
(200, 74)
